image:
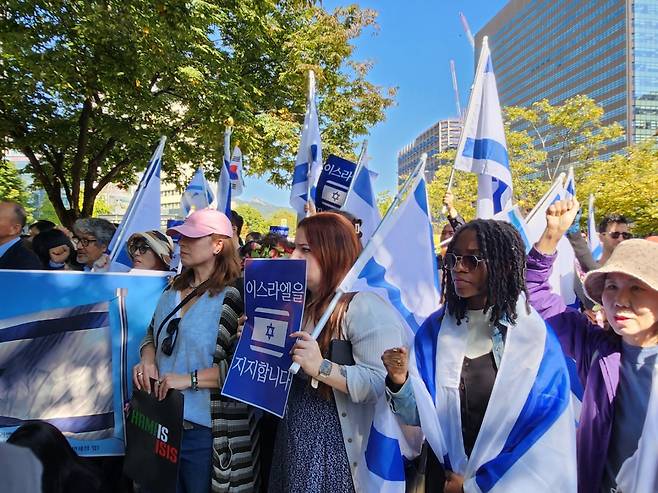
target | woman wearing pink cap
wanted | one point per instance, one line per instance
(188, 347)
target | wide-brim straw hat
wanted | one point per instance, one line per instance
(636, 258)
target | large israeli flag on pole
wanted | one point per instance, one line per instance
(308, 163)
(143, 213)
(361, 203)
(592, 232)
(482, 147)
(197, 195)
(224, 180)
(412, 288)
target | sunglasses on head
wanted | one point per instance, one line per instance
(468, 262)
(616, 234)
(169, 342)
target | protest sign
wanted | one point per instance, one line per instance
(67, 343)
(154, 430)
(334, 182)
(274, 292)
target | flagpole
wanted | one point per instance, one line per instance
(136, 198)
(294, 368)
(205, 187)
(311, 94)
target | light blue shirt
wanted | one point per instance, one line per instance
(6, 246)
(194, 349)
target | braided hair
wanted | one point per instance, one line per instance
(504, 252)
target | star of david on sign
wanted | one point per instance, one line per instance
(269, 332)
(335, 195)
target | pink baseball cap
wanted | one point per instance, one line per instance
(203, 222)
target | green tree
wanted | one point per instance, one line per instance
(253, 220)
(88, 86)
(573, 129)
(625, 184)
(12, 186)
(384, 201)
(286, 217)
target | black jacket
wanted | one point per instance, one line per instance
(20, 257)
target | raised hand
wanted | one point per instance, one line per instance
(559, 217)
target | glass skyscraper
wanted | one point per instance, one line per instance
(556, 49)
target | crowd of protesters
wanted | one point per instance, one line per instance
(491, 289)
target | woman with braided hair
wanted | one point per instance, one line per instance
(485, 379)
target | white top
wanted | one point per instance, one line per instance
(478, 341)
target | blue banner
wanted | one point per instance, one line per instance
(334, 182)
(68, 341)
(274, 292)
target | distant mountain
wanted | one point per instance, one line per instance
(265, 208)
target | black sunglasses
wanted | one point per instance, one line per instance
(142, 248)
(616, 234)
(169, 342)
(469, 262)
(82, 241)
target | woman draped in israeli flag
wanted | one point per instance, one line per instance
(487, 380)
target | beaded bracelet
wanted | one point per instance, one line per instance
(195, 380)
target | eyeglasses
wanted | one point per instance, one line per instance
(84, 242)
(616, 234)
(169, 342)
(142, 248)
(469, 262)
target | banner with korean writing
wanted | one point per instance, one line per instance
(334, 182)
(274, 294)
(67, 340)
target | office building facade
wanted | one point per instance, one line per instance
(557, 49)
(441, 136)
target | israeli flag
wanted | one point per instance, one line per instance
(308, 163)
(361, 203)
(527, 441)
(592, 232)
(384, 267)
(197, 195)
(143, 213)
(412, 288)
(570, 186)
(224, 180)
(56, 365)
(482, 146)
(235, 173)
(334, 193)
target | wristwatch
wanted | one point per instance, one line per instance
(325, 368)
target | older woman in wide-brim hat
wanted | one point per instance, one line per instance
(617, 445)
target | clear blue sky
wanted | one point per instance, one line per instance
(411, 51)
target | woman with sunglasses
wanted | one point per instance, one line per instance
(617, 435)
(475, 361)
(188, 347)
(321, 440)
(150, 250)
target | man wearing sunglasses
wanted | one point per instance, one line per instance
(613, 230)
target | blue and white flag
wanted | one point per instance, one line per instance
(197, 195)
(143, 213)
(482, 147)
(224, 181)
(308, 163)
(235, 172)
(56, 365)
(593, 238)
(384, 267)
(361, 202)
(528, 432)
(412, 288)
